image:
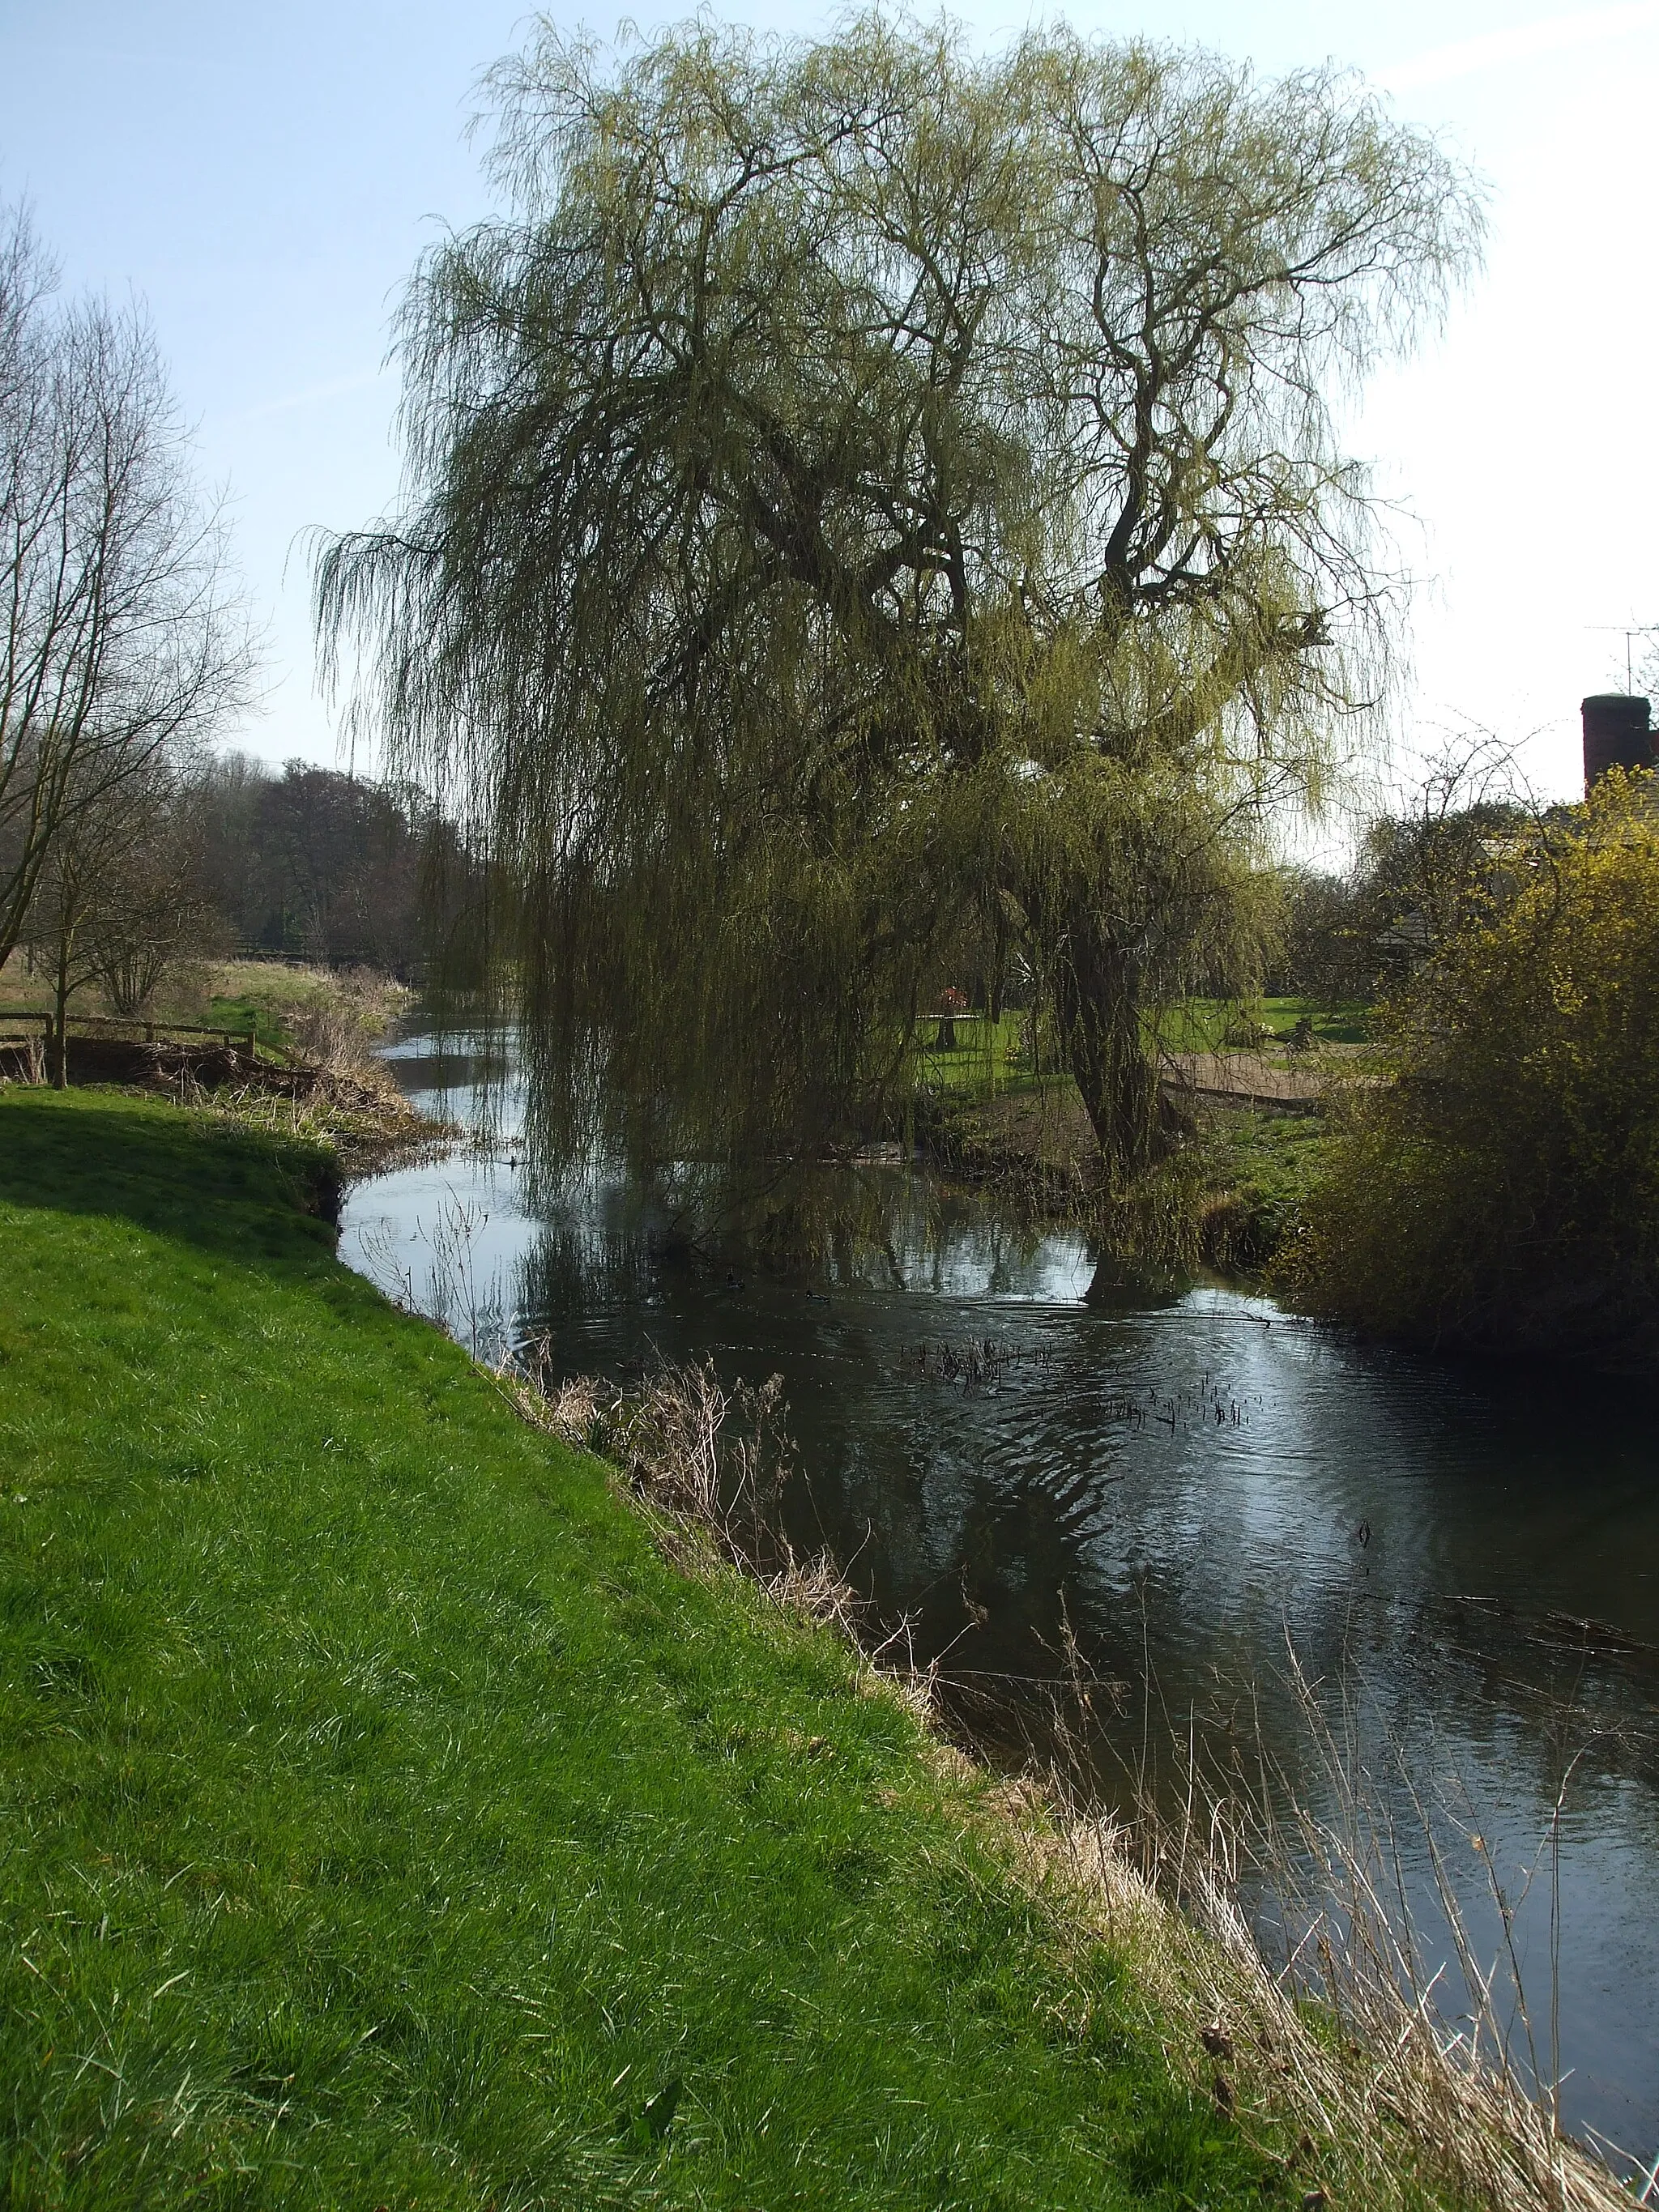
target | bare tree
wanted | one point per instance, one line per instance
(56, 926)
(123, 893)
(150, 902)
(120, 637)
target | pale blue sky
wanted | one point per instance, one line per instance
(265, 177)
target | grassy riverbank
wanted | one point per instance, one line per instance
(387, 1823)
(321, 1014)
(1231, 1197)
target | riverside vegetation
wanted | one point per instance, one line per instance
(300, 1059)
(389, 1821)
(400, 1811)
(330, 1017)
(1483, 1174)
(1500, 1190)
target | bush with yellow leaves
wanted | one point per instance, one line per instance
(1502, 1188)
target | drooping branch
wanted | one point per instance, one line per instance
(864, 489)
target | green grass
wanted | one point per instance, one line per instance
(241, 1013)
(1261, 1168)
(386, 1823)
(985, 1060)
(1214, 1025)
(988, 1059)
(1347, 1022)
(284, 1007)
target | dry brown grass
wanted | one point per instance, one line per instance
(707, 1466)
(1341, 2049)
(358, 1113)
(332, 1019)
(1343, 2071)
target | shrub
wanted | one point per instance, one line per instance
(1505, 1187)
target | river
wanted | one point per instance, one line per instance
(1191, 1487)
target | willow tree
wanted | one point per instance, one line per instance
(872, 510)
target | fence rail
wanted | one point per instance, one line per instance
(135, 1028)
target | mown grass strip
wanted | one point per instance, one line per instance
(386, 1823)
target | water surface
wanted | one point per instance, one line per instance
(1190, 1487)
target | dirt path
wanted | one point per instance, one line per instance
(1248, 1078)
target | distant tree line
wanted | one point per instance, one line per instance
(223, 856)
(310, 862)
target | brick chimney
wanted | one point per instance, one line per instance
(1616, 734)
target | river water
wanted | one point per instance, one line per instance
(1192, 1490)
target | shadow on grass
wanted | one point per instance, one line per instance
(263, 1199)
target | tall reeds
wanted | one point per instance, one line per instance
(707, 1464)
(1400, 2081)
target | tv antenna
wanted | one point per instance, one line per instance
(1630, 632)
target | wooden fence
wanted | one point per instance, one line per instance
(133, 1031)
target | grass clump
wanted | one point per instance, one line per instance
(1254, 1172)
(331, 1017)
(387, 1822)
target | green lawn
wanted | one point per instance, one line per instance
(1216, 1024)
(385, 1824)
(988, 1059)
(238, 1013)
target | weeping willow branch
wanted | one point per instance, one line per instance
(872, 512)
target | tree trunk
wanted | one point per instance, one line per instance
(70, 913)
(60, 1016)
(1098, 1012)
